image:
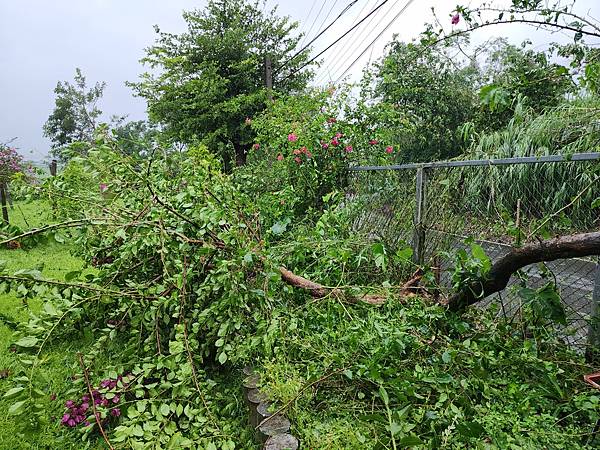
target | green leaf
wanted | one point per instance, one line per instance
(470, 429)
(394, 428)
(405, 254)
(280, 227)
(223, 358)
(27, 342)
(14, 392)
(17, 408)
(410, 441)
(164, 409)
(446, 357)
(384, 395)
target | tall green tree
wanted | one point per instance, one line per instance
(75, 113)
(514, 74)
(207, 81)
(433, 91)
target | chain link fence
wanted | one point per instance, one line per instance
(437, 208)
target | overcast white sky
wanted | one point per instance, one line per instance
(43, 41)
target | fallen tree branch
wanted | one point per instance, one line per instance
(319, 291)
(570, 246)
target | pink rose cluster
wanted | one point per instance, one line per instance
(82, 412)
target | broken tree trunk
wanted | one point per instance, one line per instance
(570, 246)
(319, 291)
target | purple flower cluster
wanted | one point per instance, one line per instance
(78, 413)
(10, 162)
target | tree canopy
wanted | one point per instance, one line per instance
(75, 113)
(206, 81)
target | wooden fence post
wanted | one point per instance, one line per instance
(269, 77)
(593, 339)
(53, 165)
(3, 201)
(418, 243)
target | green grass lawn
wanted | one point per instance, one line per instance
(59, 363)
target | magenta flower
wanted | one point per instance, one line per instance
(389, 149)
(69, 403)
(256, 146)
(298, 160)
(373, 142)
(455, 19)
(335, 142)
(338, 135)
(297, 151)
(116, 399)
(280, 157)
(292, 137)
(348, 149)
(324, 145)
(116, 412)
(103, 188)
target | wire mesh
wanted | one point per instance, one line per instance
(498, 206)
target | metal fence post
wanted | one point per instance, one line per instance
(418, 243)
(593, 340)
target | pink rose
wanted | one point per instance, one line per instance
(292, 137)
(389, 149)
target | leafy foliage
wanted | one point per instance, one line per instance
(75, 114)
(437, 97)
(212, 76)
(407, 374)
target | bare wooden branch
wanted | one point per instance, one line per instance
(570, 246)
(319, 291)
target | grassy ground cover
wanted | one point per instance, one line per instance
(56, 260)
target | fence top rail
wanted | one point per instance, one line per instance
(486, 162)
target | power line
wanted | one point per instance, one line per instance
(336, 41)
(408, 3)
(358, 45)
(295, 55)
(313, 23)
(307, 16)
(344, 48)
(321, 31)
